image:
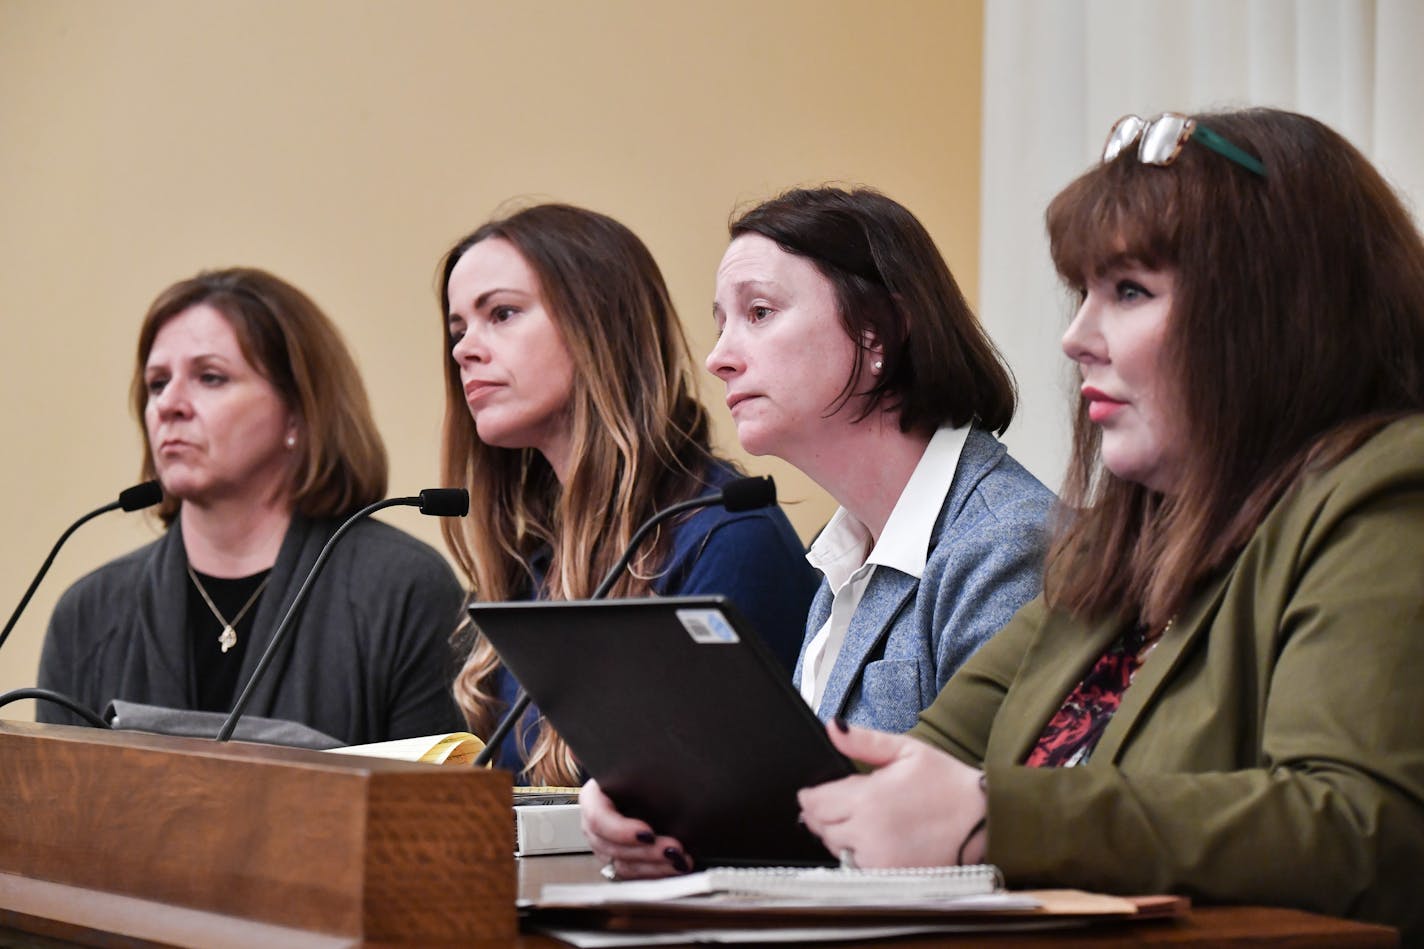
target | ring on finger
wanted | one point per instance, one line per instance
(608, 871)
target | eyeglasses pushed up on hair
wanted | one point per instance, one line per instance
(1163, 138)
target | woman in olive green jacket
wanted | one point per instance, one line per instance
(1218, 693)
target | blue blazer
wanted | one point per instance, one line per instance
(908, 636)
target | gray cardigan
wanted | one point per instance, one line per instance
(368, 660)
(908, 636)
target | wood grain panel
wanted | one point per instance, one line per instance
(358, 847)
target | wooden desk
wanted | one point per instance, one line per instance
(119, 839)
(1205, 926)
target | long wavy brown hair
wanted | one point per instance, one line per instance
(640, 442)
(1297, 331)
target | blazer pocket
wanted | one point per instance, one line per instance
(890, 689)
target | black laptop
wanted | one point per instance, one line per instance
(682, 715)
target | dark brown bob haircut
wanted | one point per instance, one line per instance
(893, 288)
(1296, 332)
(340, 461)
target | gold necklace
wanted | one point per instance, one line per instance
(228, 638)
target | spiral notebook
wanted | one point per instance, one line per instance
(901, 886)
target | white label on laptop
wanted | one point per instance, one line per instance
(707, 626)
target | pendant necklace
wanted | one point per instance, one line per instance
(228, 639)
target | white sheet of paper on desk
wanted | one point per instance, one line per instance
(608, 894)
(602, 939)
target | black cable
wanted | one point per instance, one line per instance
(49, 695)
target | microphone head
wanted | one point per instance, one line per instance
(141, 496)
(748, 494)
(445, 502)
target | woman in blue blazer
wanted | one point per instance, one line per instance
(848, 350)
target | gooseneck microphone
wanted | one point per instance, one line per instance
(135, 498)
(743, 494)
(436, 502)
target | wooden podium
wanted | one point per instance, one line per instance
(185, 841)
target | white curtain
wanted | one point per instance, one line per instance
(1057, 73)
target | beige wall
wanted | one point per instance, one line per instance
(345, 145)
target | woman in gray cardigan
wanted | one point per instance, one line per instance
(848, 350)
(256, 422)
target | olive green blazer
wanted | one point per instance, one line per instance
(1271, 748)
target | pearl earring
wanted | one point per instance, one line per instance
(291, 442)
(878, 365)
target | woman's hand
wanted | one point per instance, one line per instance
(915, 810)
(627, 846)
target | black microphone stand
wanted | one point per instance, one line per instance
(440, 502)
(521, 702)
(743, 494)
(135, 498)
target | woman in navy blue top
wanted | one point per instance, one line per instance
(571, 416)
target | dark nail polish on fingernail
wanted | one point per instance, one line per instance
(675, 857)
(646, 837)
(841, 725)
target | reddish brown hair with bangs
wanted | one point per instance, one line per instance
(1297, 331)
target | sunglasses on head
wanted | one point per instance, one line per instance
(1162, 139)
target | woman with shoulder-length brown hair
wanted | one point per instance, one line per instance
(1215, 696)
(572, 417)
(847, 349)
(255, 420)
(304, 358)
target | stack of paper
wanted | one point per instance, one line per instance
(793, 905)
